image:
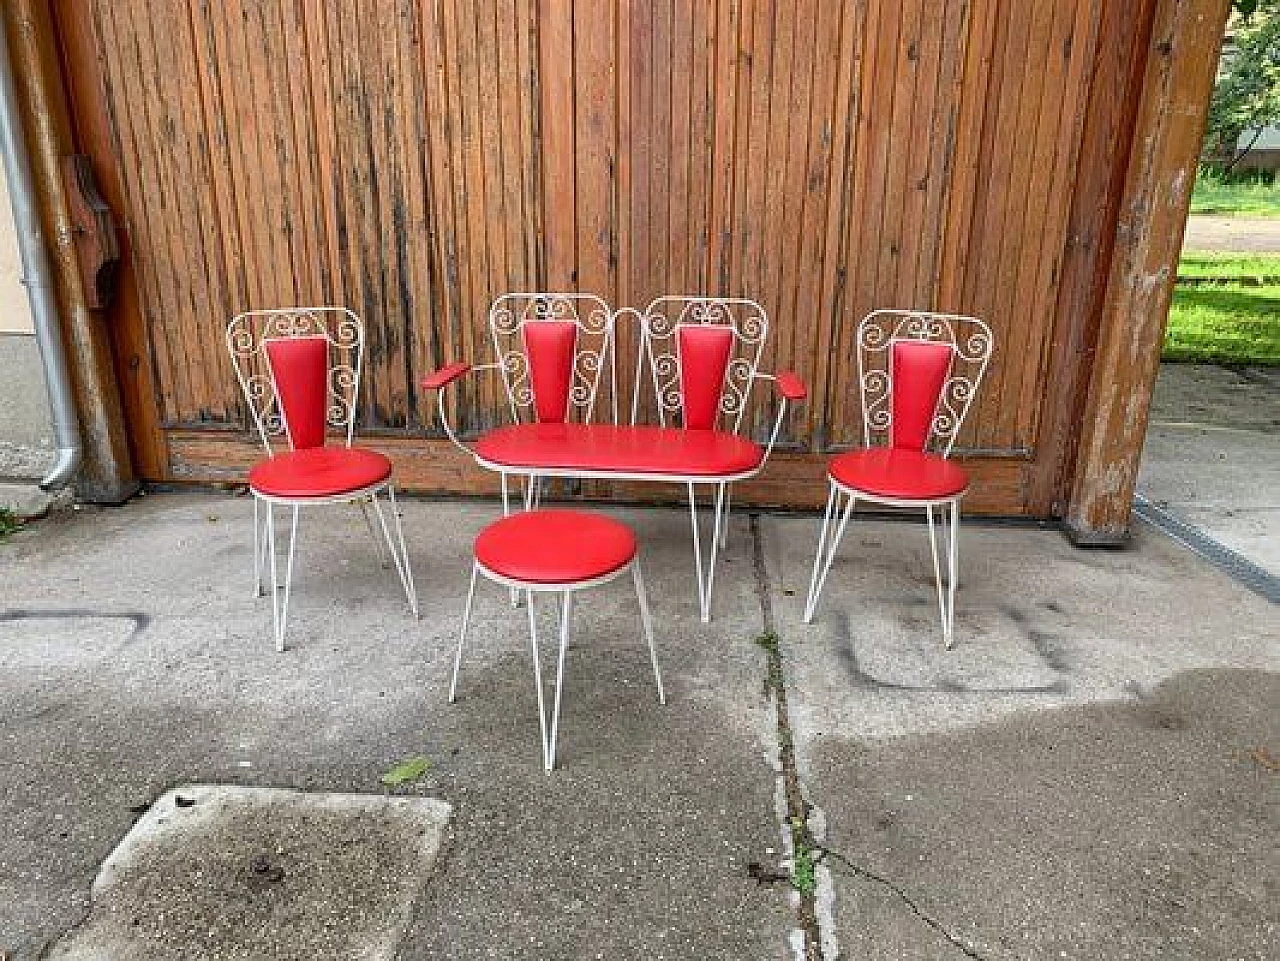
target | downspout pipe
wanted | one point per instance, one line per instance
(37, 277)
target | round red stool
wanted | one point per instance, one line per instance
(560, 552)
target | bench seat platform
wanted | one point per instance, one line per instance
(646, 452)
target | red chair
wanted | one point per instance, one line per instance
(558, 552)
(299, 369)
(702, 356)
(918, 373)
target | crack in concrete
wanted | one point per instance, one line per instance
(798, 809)
(867, 875)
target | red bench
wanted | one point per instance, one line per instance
(700, 355)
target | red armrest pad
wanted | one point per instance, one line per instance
(445, 376)
(791, 386)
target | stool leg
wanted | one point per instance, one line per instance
(462, 638)
(566, 612)
(647, 621)
(537, 678)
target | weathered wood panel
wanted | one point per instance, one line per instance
(413, 159)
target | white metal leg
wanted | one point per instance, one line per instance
(724, 518)
(937, 569)
(647, 620)
(400, 557)
(259, 542)
(533, 492)
(566, 613)
(549, 722)
(280, 607)
(378, 544)
(706, 581)
(827, 547)
(537, 677)
(275, 580)
(410, 590)
(947, 593)
(462, 636)
(506, 512)
(820, 555)
(953, 561)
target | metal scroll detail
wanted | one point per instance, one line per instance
(664, 317)
(344, 331)
(969, 338)
(510, 314)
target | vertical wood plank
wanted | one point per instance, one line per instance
(1161, 171)
(556, 76)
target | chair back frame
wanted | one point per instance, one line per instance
(511, 313)
(660, 326)
(971, 342)
(247, 336)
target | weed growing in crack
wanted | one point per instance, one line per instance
(804, 865)
(772, 646)
(9, 522)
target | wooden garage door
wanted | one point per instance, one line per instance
(411, 159)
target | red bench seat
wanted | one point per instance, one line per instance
(595, 449)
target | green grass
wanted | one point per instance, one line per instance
(1244, 195)
(1199, 264)
(8, 522)
(1224, 324)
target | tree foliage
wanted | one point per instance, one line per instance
(1247, 97)
(1246, 8)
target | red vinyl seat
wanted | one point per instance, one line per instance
(605, 448)
(899, 473)
(555, 547)
(319, 472)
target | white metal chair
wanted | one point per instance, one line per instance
(557, 552)
(918, 375)
(703, 354)
(300, 369)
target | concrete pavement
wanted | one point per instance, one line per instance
(1089, 774)
(1093, 698)
(1212, 458)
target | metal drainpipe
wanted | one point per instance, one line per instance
(37, 277)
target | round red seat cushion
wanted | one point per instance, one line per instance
(899, 473)
(555, 547)
(319, 472)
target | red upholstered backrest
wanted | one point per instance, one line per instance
(704, 358)
(919, 373)
(300, 370)
(549, 346)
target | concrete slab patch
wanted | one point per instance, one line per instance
(220, 872)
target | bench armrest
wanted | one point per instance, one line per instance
(445, 375)
(790, 386)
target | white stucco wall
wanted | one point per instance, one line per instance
(15, 315)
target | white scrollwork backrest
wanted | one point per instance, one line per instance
(660, 347)
(511, 313)
(971, 342)
(246, 335)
